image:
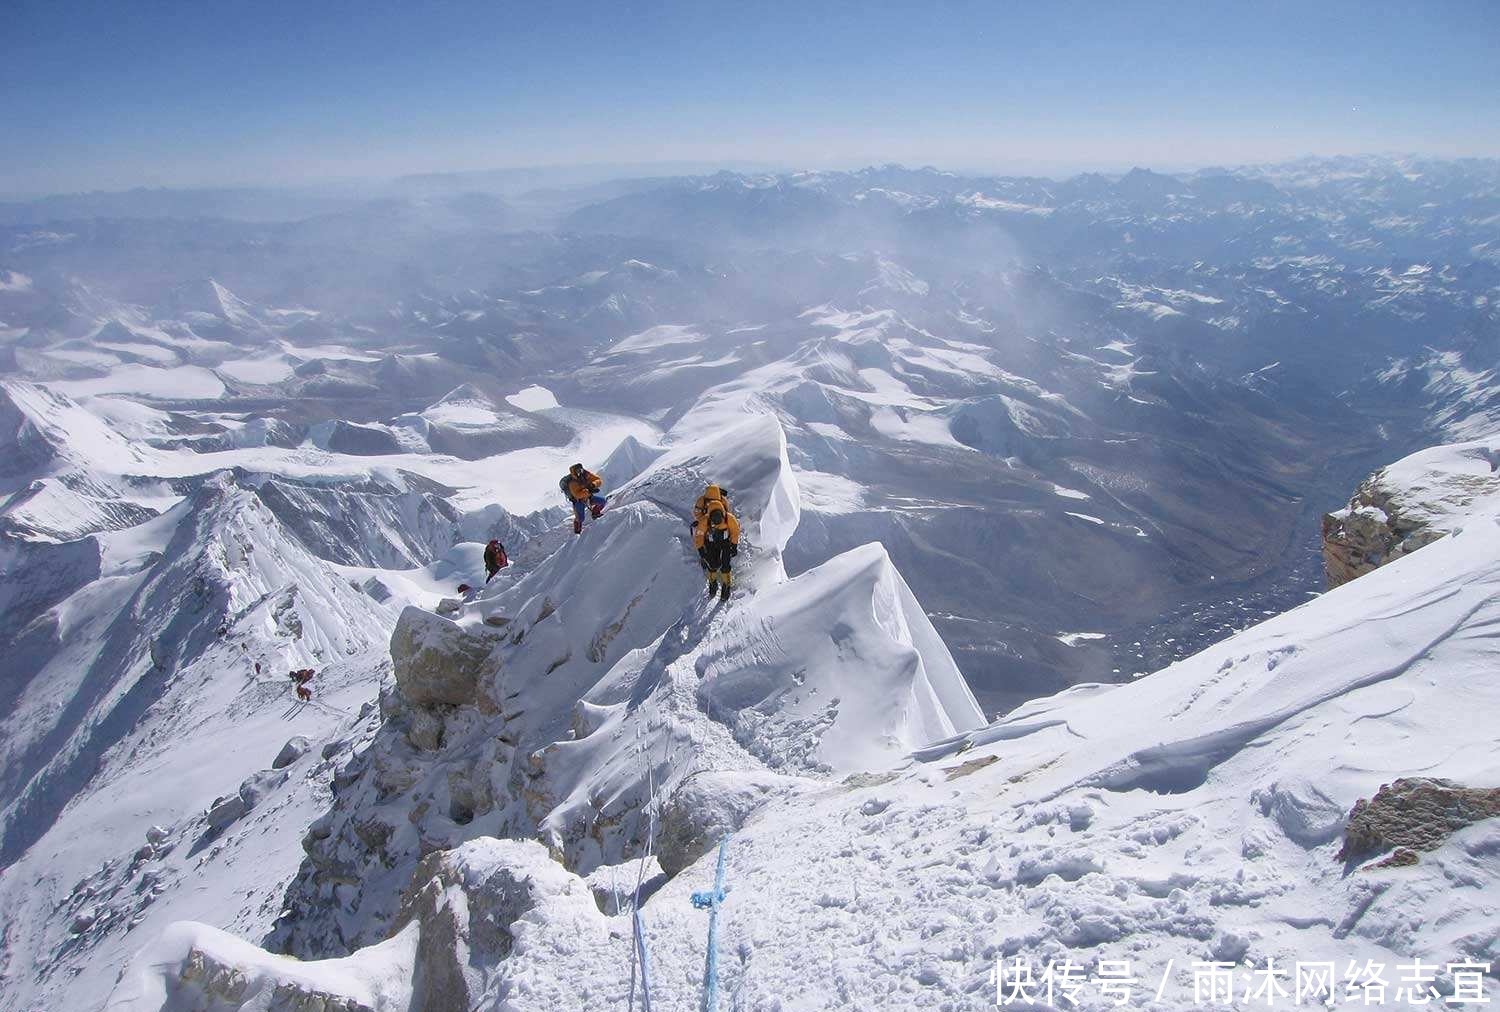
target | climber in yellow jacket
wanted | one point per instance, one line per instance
(716, 535)
(581, 488)
(712, 493)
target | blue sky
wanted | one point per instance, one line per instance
(135, 92)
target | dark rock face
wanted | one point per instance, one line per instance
(1414, 814)
(362, 440)
(707, 807)
(466, 901)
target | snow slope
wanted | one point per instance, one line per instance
(603, 675)
(155, 683)
(1193, 815)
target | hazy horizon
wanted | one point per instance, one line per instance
(589, 173)
(108, 97)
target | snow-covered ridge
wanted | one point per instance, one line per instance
(606, 680)
(1191, 815)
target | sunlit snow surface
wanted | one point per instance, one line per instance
(1189, 816)
(533, 398)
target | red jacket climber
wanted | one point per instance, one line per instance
(302, 677)
(495, 559)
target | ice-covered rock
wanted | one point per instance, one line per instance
(259, 786)
(473, 903)
(706, 807)
(191, 967)
(295, 748)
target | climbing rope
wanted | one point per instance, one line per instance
(711, 900)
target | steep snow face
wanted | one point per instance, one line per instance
(1193, 815)
(147, 684)
(377, 525)
(836, 671)
(40, 429)
(51, 485)
(559, 706)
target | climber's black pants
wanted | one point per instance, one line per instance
(716, 554)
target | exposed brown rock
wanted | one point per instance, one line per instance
(1374, 529)
(1414, 814)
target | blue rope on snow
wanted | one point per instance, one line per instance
(711, 900)
(640, 943)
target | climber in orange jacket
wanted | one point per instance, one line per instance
(712, 493)
(582, 490)
(716, 535)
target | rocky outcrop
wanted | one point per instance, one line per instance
(709, 806)
(226, 986)
(469, 902)
(1371, 531)
(1414, 814)
(1406, 506)
(436, 661)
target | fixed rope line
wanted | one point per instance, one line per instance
(711, 900)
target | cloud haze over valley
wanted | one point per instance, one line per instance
(1089, 454)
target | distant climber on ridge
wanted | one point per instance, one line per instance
(301, 678)
(495, 559)
(716, 535)
(582, 489)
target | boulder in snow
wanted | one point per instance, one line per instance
(258, 787)
(707, 807)
(225, 811)
(471, 903)
(294, 749)
(436, 661)
(1414, 814)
